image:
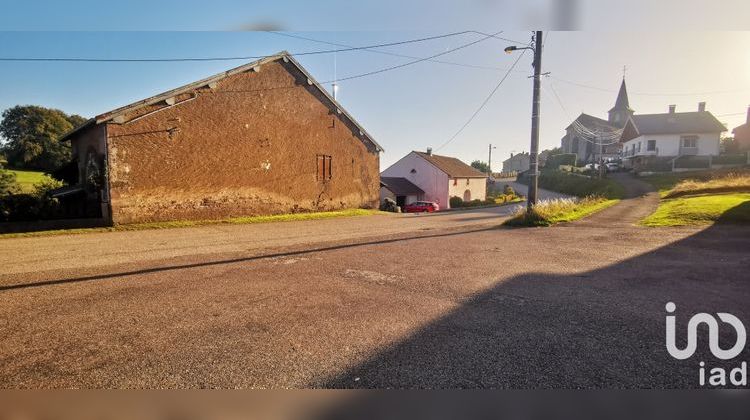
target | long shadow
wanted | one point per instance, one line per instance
(235, 260)
(603, 328)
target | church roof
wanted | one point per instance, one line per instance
(622, 102)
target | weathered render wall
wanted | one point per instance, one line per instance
(247, 147)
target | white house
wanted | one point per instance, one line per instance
(439, 177)
(649, 137)
(519, 162)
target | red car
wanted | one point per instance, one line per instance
(421, 207)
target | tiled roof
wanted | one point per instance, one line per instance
(400, 186)
(452, 166)
(678, 123)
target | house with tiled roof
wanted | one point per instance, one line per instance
(648, 138)
(439, 177)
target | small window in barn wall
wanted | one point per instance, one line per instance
(467, 181)
(455, 181)
(324, 171)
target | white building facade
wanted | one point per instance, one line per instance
(440, 177)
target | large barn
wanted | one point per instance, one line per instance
(263, 138)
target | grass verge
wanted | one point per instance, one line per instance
(194, 223)
(551, 212)
(27, 179)
(701, 210)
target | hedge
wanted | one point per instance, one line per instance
(554, 161)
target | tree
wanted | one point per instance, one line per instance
(481, 166)
(31, 137)
(729, 145)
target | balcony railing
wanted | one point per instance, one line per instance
(688, 151)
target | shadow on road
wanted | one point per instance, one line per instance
(602, 328)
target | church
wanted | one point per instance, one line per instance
(589, 137)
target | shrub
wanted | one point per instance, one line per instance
(554, 161)
(508, 190)
(578, 185)
(456, 202)
(8, 184)
(730, 159)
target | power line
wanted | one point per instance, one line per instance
(251, 57)
(466, 124)
(583, 85)
(370, 73)
(452, 63)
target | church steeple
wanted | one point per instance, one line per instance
(620, 113)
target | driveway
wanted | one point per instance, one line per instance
(481, 307)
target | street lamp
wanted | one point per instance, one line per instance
(534, 152)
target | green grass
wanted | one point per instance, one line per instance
(194, 223)
(27, 179)
(578, 185)
(701, 210)
(551, 212)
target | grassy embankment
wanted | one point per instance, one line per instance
(27, 179)
(592, 195)
(701, 198)
(194, 223)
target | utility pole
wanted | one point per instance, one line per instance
(489, 161)
(534, 152)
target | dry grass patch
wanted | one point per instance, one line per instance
(550, 212)
(725, 183)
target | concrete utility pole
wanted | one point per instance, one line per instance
(534, 152)
(489, 161)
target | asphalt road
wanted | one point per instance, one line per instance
(580, 305)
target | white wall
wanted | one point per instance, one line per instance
(429, 178)
(669, 144)
(477, 186)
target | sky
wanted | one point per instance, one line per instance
(414, 107)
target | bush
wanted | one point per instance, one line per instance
(578, 185)
(554, 161)
(8, 184)
(27, 207)
(730, 159)
(456, 202)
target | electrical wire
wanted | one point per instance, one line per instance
(370, 73)
(492, 93)
(148, 60)
(452, 63)
(583, 85)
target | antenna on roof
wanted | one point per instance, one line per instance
(624, 69)
(334, 86)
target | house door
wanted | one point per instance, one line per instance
(401, 201)
(467, 195)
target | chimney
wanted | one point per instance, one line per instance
(672, 108)
(748, 115)
(429, 151)
(701, 106)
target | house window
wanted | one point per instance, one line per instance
(324, 168)
(689, 141)
(467, 181)
(651, 145)
(639, 147)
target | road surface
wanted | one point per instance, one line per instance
(576, 306)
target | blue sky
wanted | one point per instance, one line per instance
(413, 107)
